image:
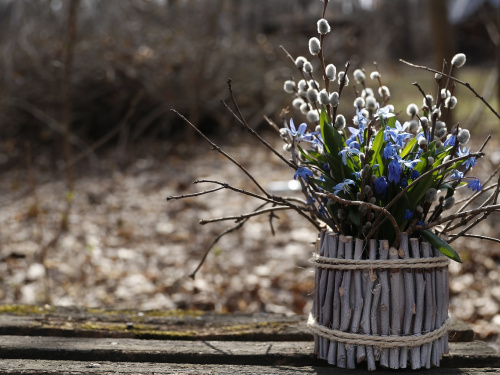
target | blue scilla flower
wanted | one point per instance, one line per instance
(450, 141)
(394, 171)
(385, 112)
(408, 214)
(411, 164)
(302, 172)
(343, 186)
(456, 175)
(381, 185)
(357, 175)
(389, 150)
(354, 144)
(347, 152)
(470, 162)
(474, 184)
(300, 133)
(414, 174)
(404, 182)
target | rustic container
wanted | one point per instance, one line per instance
(379, 304)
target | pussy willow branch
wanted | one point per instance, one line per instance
(238, 218)
(371, 206)
(221, 151)
(456, 80)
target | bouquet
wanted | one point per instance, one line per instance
(380, 173)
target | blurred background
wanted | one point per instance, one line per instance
(89, 149)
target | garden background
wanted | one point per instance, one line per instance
(89, 149)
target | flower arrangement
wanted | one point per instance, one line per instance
(380, 175)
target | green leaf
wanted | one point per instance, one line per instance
(376, 152)
(409, 147)
(441, 245)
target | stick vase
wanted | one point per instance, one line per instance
(379, 305)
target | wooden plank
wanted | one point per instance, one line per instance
(42, 367)
(467, 355)
(168, 325)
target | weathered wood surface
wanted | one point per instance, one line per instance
(44, 367)
(296, 353)
(168, 325)
(48, 340)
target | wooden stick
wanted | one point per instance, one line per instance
(367, 306)
(375, 329)
(358, 305)
(425, 351)
(437, 345)
(323, 283)
(345, 305)
(317, 277)
(419, 312)
(384, 301)
(332, 352)
(331, 252)
(409, 294)
(395, 309)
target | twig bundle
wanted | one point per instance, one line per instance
(390, 314)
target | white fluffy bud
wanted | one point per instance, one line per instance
(307, 68)
(375, 75)
(371, 103)
(412, 109)
(331, 72)
(463, 136)
(314, 46)
(312, 116)
(289, 86)
(339, 122)
(458, 60)
(334, 99)
(324, 98)
(343, 77)
(323, 27)
(297, 102)
(300, 61)
(359, 76)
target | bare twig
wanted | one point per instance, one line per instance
(238, 218)
(182, 196)
(219, 150)
(456, 80)
(371, 206)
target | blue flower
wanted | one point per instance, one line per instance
(451, 140)
(404, 182)
(414, 174)
(302, 172)
(385, 112)
(381, 185)
(470, 162)
(411, 165)
(389, 150)
(347, 152)
(343, 186)
(394, 171)
(408, 214)
(456, 175)
(300, 133)
(357, 175)
(474, 184)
